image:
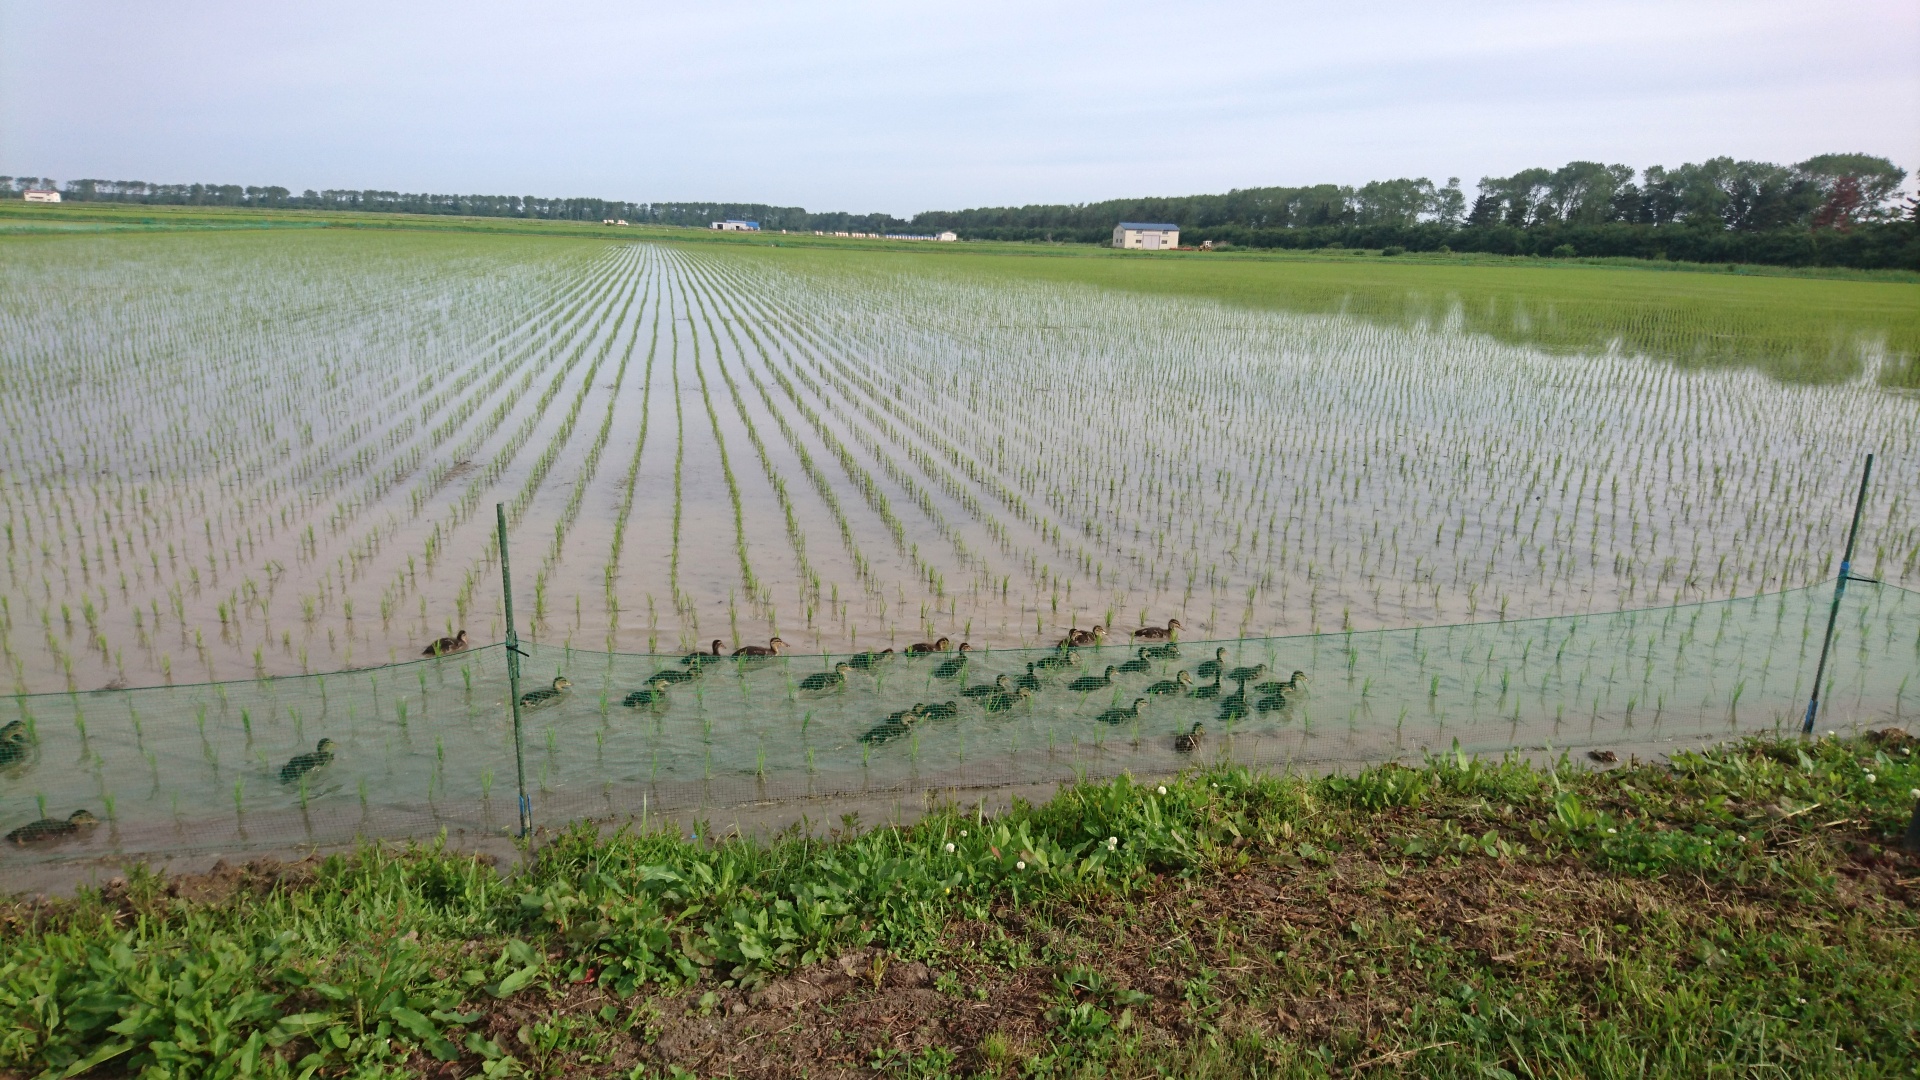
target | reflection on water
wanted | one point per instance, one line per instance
(425, 746)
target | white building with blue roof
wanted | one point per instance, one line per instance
(1146, 235)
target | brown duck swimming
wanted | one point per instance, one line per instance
(548, 696)
(446, 645)
(771, 648)
(50, 830)
(1190, 741)
(1158, 633)
(920, 647)
(701, 659)
(302, 764)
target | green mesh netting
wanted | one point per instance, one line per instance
(427, 746)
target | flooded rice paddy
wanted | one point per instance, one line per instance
(244, 456)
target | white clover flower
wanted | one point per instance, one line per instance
(1742, 839)
(1872, 778)
(1915, 793)
(1611, 832)
(1112, 842)
(963, 834)
(949, 847)
(1162, 789)
(1020, 866)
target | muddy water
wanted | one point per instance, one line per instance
(1004, 461)
(428, 745)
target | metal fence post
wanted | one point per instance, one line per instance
(513, 675)
(1839, 591)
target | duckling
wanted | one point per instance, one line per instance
(1211, 669)
(1164, 652)
(1271, 702)
(699, 660)
(1029, 681)
(921, 648)
(940, 710)
(1603, 757)
(1247, 674)
(1233, 706)
(884, 732)
(1137, 664)
(1000, 685)
(654, 693)
(1284, 686)
(546, 697)
(867, 661)
(15, 731)
(50, 830)
(1190, 741)
(1210, 690)
(1086, 683)
(1179, 684)
(771, 648)
(1120, 716)
(954, 668)
(1074, 634)
(1003, 702)
(827, 680)
(1056, 662)
(446, 645)
(892, 727)
(1095, 636)
(13, 751)
(302, 764)
(672, 675)
(1158, 633)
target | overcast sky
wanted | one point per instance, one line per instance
(901, 107)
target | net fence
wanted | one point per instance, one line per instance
(418, 748)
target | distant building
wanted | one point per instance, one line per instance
(733, 225)
(1146, 236)
(42, 195)
(946, 237)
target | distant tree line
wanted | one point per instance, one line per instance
(1834, 209)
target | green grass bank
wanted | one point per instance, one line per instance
(1740, 911)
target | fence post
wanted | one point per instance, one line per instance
(513, 675)
(1839, 591)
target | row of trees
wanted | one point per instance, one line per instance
(1834, 209)
(693, 214)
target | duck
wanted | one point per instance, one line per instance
(867, 661)
(1088, 637)
(1003, 702)
(1164, 652)
(701, 659)
(445, 645)
(1284, 686)
(827, 680)
(1179, 684)
(1118, 715)
(1211, 669)
(1158, 633)
(1190, 741)
(1210, 690)
(1086, 683)
(921, 648)
(1233, 706)
(15, 742)
(1056, 662)
(1029, 681)
(654, 693)
(14, 731)
(49, 830)
(672, 675)
(547, 696)
(954, 668)
(1271, 702)
(1000, 685)
(885, 731)
(1247, 674)
(940, 710)
(771, 648)
(302, 764)
(1137, 664)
